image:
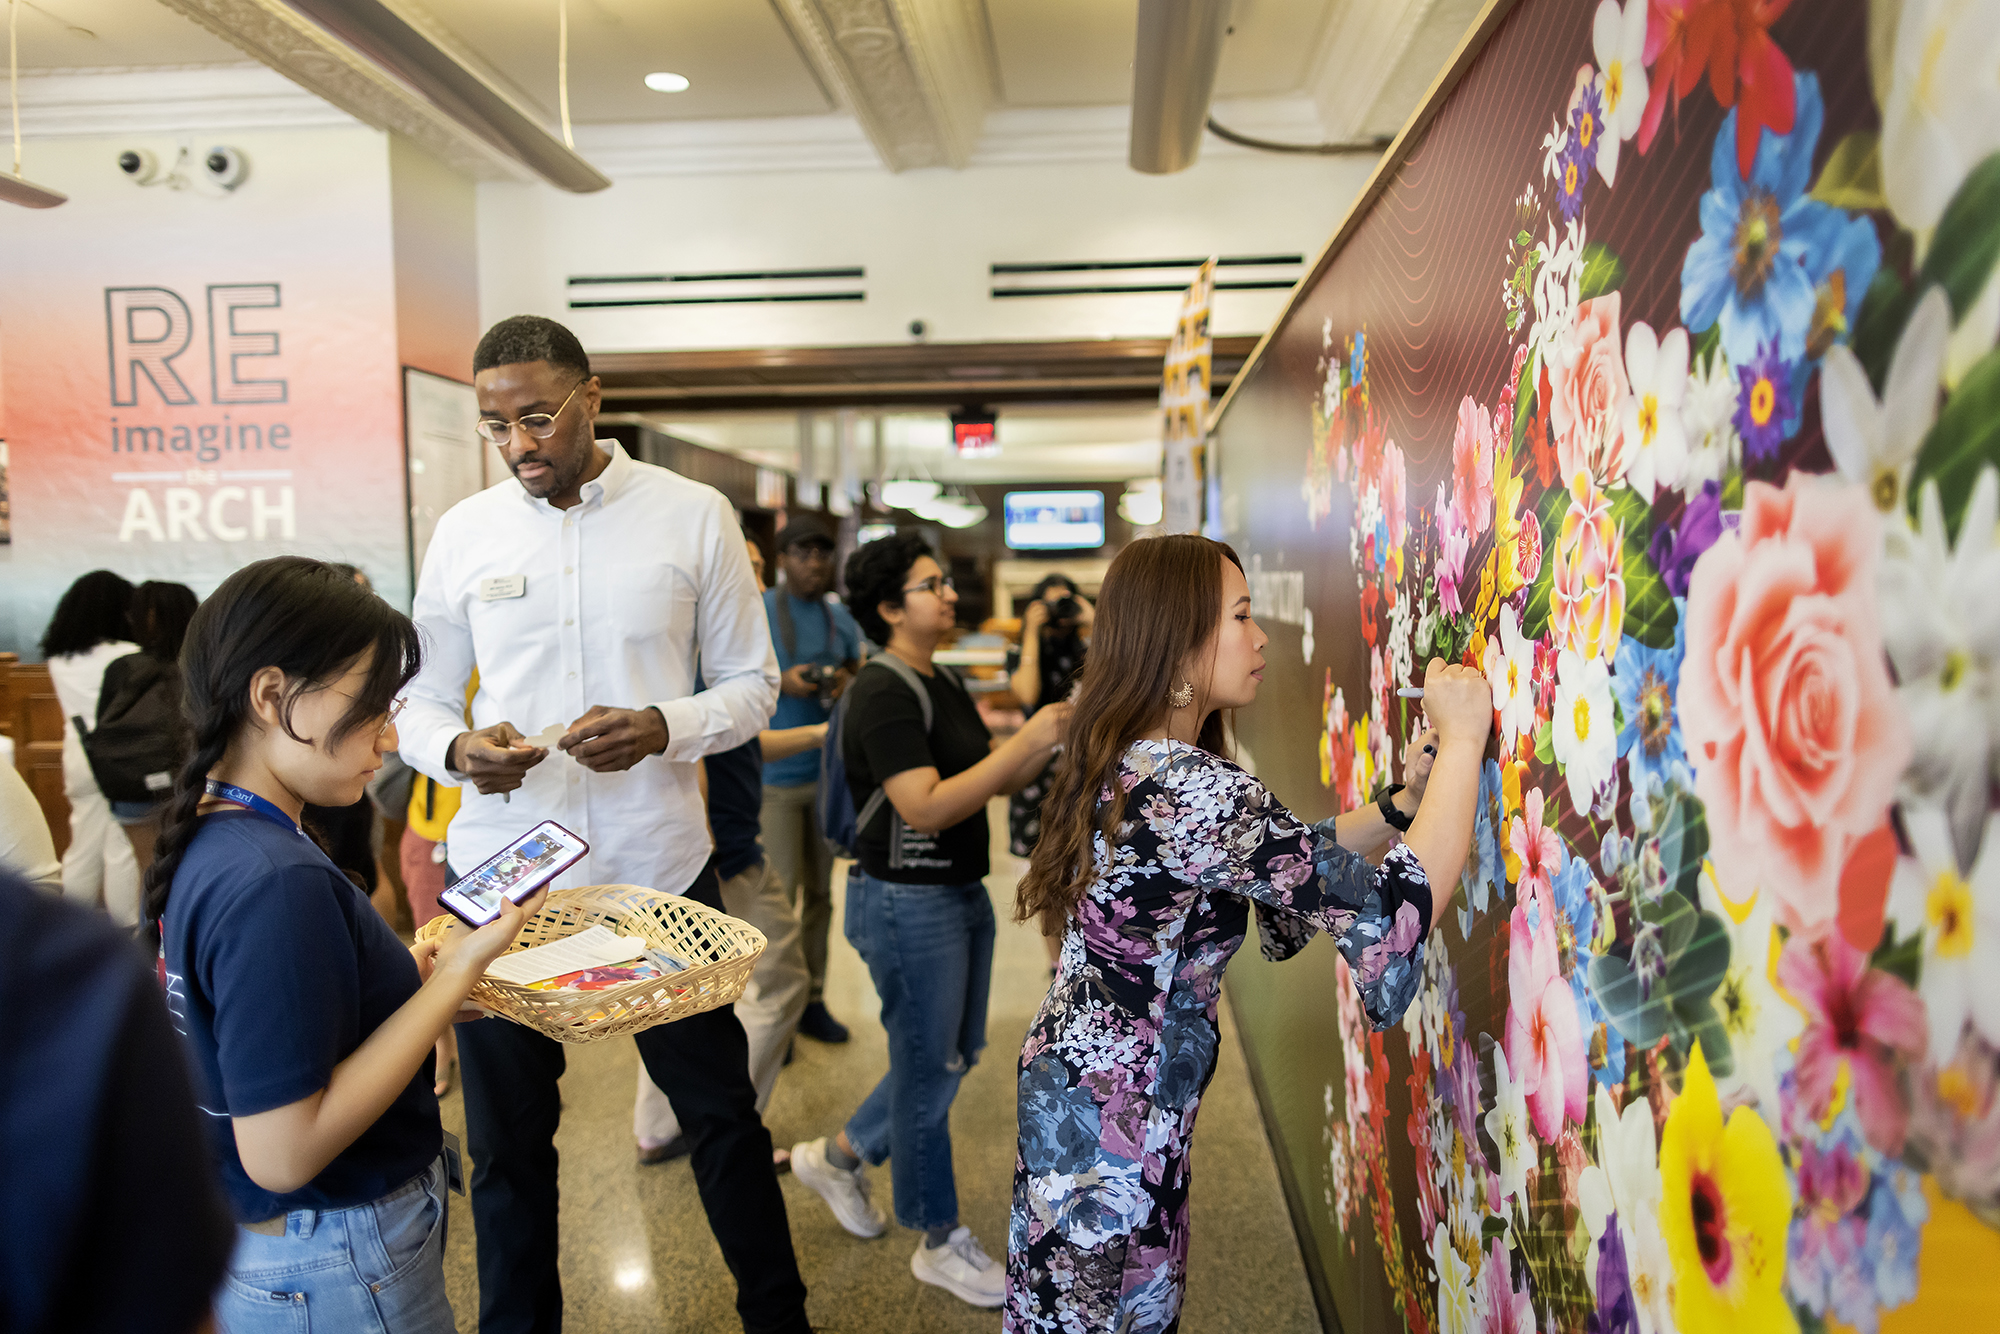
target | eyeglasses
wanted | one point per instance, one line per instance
(539, 425)
(395, 708)
(937, 584)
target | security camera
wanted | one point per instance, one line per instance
(138, 164)
(918, 329)
(226, 167)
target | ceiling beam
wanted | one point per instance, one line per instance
(917, 74)
(898, 374)
(448, 123)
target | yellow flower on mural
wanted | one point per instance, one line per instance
(1507, 490)
(1725, 1209)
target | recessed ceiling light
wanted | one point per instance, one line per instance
(667, 83)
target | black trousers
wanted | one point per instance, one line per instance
(511, 1114)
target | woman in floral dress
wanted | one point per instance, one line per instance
(1154, 850)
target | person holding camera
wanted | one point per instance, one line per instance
(921, 767)
(1055, 634)
(819, 650)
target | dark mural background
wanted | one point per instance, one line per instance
(1659, 381)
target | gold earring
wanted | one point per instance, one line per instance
(1182, 695)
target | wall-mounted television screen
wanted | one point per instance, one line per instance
(1055, 520)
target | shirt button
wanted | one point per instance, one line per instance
(569, 569)
(569, 620)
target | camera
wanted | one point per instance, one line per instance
(225, 166)
(820, 678)
(1064, 611)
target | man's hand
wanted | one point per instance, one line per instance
(496, 758)
(843, 677)
(1033, 619)
(794, 682)
(610, 741)
(1086, 615)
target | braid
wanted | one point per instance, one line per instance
(179, 822)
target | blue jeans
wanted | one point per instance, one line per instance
(375, 1268)
(929, 949)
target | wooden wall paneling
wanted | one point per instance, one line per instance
(37, 720)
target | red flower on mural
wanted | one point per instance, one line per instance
(1371, 614)
(1540, 448)
(1731, 40)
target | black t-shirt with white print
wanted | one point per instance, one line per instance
(882, 736)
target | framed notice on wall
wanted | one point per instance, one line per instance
(445, 458)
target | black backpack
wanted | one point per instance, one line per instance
(141, 737)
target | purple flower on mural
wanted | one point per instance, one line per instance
(1675, 549)
(1764, 407)
(1616, 1312)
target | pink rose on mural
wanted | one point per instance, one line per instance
(1472, 468)
(1859, 1017)
(1587, 414)
(1544, 1040)
(1791, 721)
(1587, 597)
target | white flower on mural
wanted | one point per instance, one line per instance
(1959, 916)
(1655, 441)
(1875, 443)
(1456, 1313)
(1558, 289)
(1941, 116)
(1508, 1126)
(1708, 422)
(1586, 735)
(1760, 1022)
(1509, 666)
(1941, 625)
(1618, 39)
(1625, 1179)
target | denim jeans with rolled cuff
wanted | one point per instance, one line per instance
(375, 1268)
(929, 950)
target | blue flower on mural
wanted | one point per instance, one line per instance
(1647, 684)
(1485, 870)
(1766, 249)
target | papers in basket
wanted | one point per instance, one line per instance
(593, 947)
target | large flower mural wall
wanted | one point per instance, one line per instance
(1738, 861)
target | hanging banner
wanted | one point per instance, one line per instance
(194, 383)
(1184, 406)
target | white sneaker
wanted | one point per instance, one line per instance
(846, 1193)
(961, 1268)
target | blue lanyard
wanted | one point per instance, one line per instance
(245, 797)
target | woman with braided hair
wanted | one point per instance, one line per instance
(310, 1025)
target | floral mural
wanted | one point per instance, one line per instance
(1705, 477)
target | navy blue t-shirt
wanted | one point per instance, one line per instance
(735, 807)
(277, 968)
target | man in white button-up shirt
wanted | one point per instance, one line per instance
(584, 591)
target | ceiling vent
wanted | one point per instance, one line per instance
(743, 287)
(1137, 277)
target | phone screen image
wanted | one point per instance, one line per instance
(516, 871)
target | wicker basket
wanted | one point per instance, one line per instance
(719, 950)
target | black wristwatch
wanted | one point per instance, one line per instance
(1386, 803)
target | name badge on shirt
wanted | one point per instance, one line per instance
(507, 586)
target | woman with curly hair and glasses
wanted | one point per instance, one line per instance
(921, 767)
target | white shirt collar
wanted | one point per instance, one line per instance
(601, 489)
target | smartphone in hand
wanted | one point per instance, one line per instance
(516, 871)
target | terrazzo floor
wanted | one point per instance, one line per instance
(637, 1254)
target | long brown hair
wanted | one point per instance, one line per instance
(1158, 608)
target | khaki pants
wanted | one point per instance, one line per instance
(770, 1006)
(803, 864)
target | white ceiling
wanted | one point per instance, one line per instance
(739, 55)
(1074, 443)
